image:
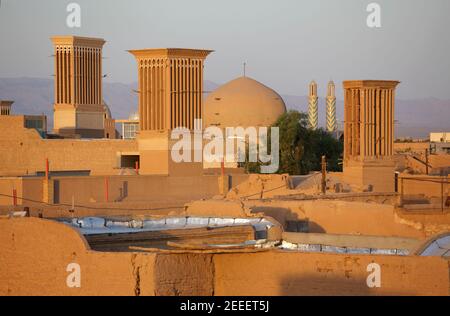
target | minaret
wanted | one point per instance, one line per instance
(331, 108)
(313, 109)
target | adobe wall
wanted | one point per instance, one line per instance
(429, 222)
(412, 164)
(379, 174)
(92, 189)
(340, 217)
(422, 187)
(261, 186)
(291, 273)
(7, 185)
(34, 255)
(439, 161)
(414, 147)
(28, 187)
(24, 151)
(136, 188)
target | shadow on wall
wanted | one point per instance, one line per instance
(289, 220)
(280, 214)
(56, 192)
(313, 227)
(310, 285)
(123, 192)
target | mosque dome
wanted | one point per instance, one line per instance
(243, 102)
(106, 110)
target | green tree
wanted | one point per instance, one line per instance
(301, 148)
(322, 143)
(294, 136)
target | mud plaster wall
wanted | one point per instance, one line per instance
(417, 147)
(277, 273)
(430, 224)
(7, 185)
(120, 188)
(341, 217)
(135, 188)
(184, 274)
(424, 188)
(34, 255)
(25, 187)
(24, 151)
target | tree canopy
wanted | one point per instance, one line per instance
(301, 149)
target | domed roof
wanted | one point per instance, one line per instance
(107, 110)
(243, 102)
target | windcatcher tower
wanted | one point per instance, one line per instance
(170, 97)
(5, 107)
(78, 108)
(313, 107)
(369, 133)
(331, 108)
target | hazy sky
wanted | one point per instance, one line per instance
(286, 43)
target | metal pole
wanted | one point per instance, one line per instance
(72, 209)
(402, 191)
(396, 182)
(47, 169)
(14, 197)
(324, 175)
(106, 190)
(426, 161)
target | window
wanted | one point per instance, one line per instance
(129, 161)
(129, 130)
(33, 123)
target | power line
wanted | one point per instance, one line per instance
(91, 207)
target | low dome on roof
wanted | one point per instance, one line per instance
(243, 102)
(107, 110)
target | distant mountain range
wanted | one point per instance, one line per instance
(415, 118)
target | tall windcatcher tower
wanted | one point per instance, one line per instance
(5, 107)
(170, 97)
(369, 108)
(170, 87)
(331, 108)
(78, 108)
(313, 108)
